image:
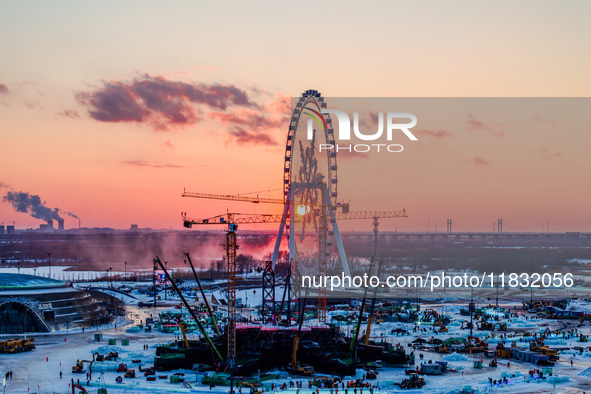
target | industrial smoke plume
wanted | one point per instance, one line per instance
(72, 215)
(32, 204)
(27, 203)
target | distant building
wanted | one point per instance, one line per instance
(31, 303)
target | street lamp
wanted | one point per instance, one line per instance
(49, 261)
(125, 262)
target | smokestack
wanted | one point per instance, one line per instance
(50, 225)
(60, 225)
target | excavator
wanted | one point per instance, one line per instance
(79, 367)
(484, 325)
(77, 386)
(295, 367)
(467, 323)
(441, 325)
(477, 346)
(501, 326)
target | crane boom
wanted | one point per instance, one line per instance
(254, 200)
(370, 214)
(180, 294)
(267, 218)
(211, 315)
(229, 218)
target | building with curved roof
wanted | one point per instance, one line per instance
(31, 303)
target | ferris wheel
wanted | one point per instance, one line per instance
(310, 186)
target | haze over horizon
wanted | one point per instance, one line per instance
(109, 110)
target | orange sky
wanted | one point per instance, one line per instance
(219, 75)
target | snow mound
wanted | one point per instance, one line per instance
(555, 341)
(456, 357)
(586, 373)
(557, 379)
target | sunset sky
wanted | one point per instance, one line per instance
(109, 109)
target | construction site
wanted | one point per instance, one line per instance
(254, 328)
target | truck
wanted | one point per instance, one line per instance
(16, 345)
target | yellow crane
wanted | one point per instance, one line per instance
(182, 326)
(229, 197)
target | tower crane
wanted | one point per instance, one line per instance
(231, 221)
(343, 214)
(255, 200)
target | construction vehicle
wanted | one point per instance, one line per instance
(16, 345)
(430, 313)
(147, 371)
(441, 325)
(443, 349)
(111, 356)
(98, 357)
(371, 374)
(130, 373)
(411, 383)
(484, 325)
(295, 367)
(502, 351)
(183, 327)
(468, 325)
(323, 381)
(122, 368)
(501, 326)
(79, 367)
(477, 346)
(553, 355)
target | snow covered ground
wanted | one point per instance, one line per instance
(38, 371)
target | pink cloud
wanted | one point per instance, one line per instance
(152, 164)
(548, 153)
(159, 102)
(478, 161)
(69, 113)
(438, 135)
(244, 137)
(166, 144)
(544, 120)
(476, 125)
